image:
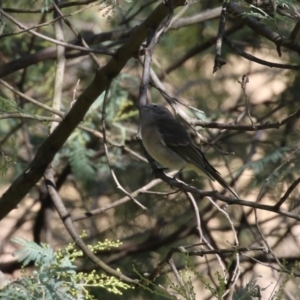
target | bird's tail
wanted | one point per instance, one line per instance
(224, 184)
(199, 163)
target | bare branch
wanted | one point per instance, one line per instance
(55, 141)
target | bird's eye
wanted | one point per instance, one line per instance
(154, 105)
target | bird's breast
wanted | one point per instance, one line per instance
(155, 146)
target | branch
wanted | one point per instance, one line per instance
(195, 19)
(77, 34)
(46, 38)
(35, 11)
(50, 53)
(46, 152)
(276, 170)
(128, 19)
(28, 98)
(219, 61)
(66, 218)
(198, 49)
(287, 193)
(255, 127)
(214, 194)
(46, 23)
(156, 272)
(263, 30)
(258, 60)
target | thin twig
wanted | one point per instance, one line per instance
(279, 270)
(54, 41)
(60, 69)
(287, 161)
(50, 9)
(255, 127)
(183, 186)
(198, 48)
(116, 203)
(287, 193)
(262, 29)
(196, 19)
(49, 22)
(258, 60)
(197, 215)
(28, 98)
(147, 51)
(119, 186)
(78, 35)
(160, 266)
(219, 62)
(243, 83)
(264, 239)
(67, 221)
(237, 266)
(137, 12)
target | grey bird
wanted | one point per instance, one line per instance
(168, 142)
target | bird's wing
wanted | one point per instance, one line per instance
(175, 137)
(196, 157)
(173, 133)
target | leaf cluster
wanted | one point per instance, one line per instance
(55, 276)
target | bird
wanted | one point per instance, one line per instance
(168, 142)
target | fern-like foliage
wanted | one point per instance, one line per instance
(8, 106)
(33, 252)
(268, 167)
(55, 277)
(79, 158)
(277, 14)
(249, 292)
(260, 165)
(85, 166)
(6, 160)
